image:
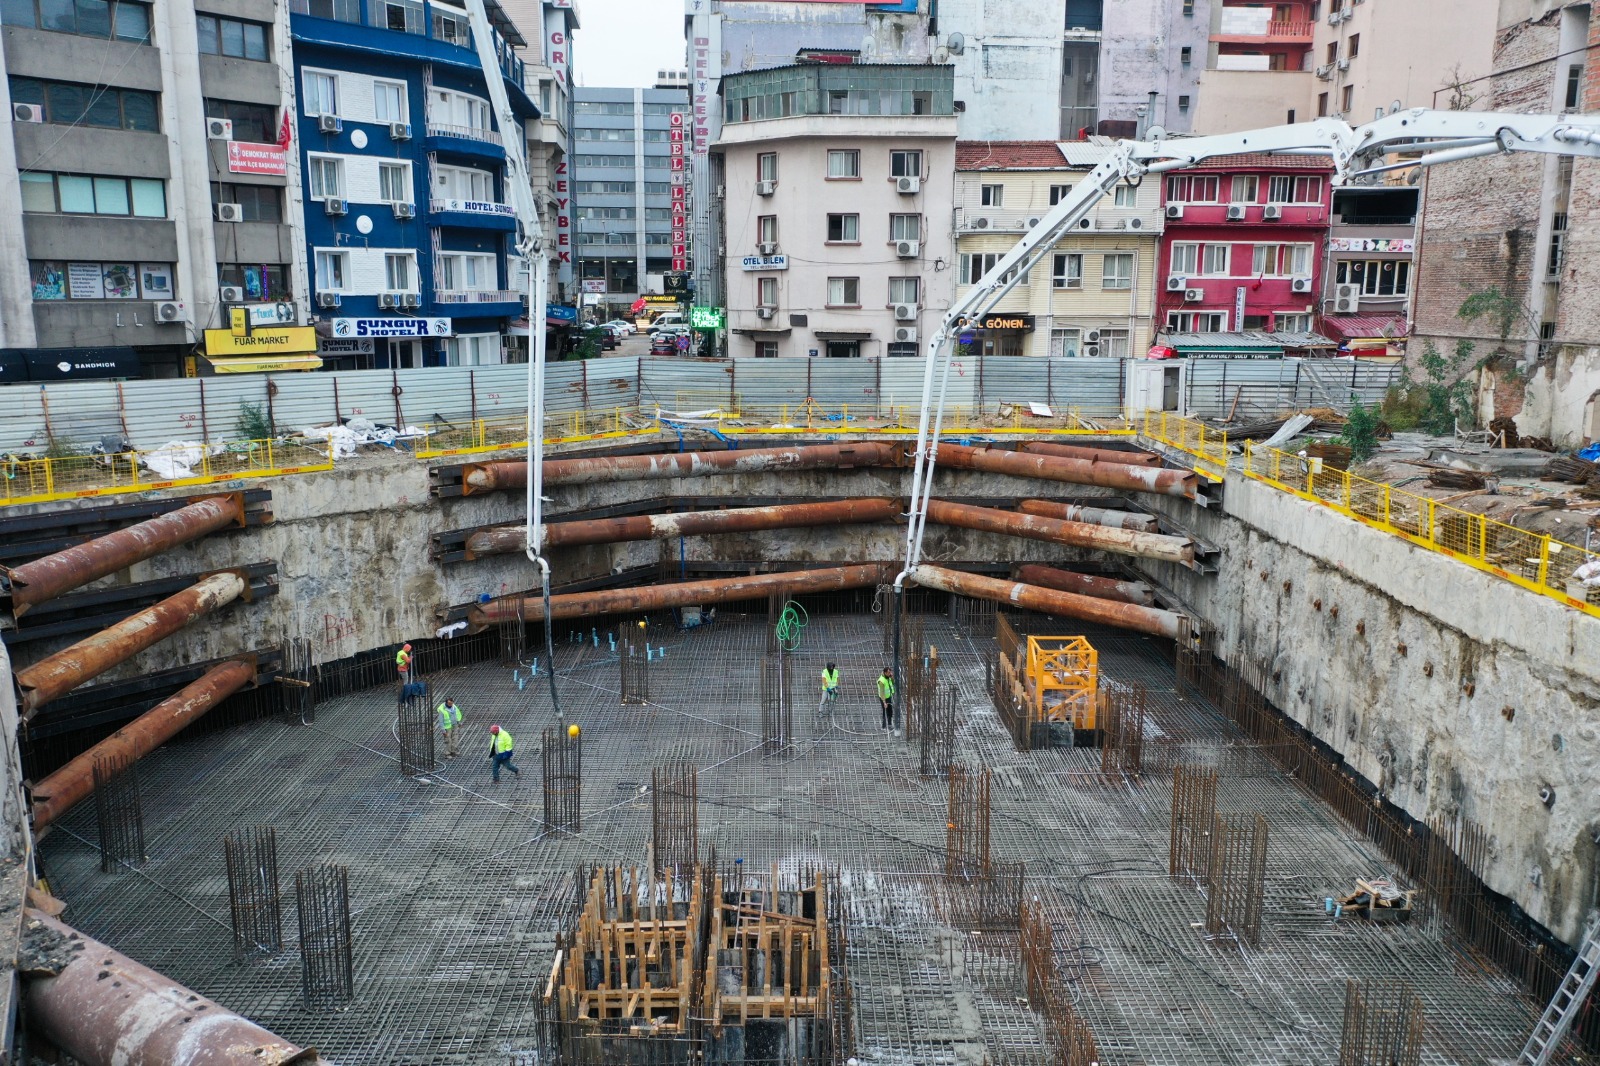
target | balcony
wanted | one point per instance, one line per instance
(1277, 32)
(477, 296)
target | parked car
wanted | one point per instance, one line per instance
(663, 344)
(628, 328)
(605, 338)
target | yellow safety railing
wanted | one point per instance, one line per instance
(504, 432)
(79, 476)
(1207, 446)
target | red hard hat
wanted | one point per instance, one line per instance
(494, 729)
(407, 647)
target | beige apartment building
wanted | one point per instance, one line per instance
(1094, 295)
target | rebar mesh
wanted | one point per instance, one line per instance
(327, 959)
(777, 702)
(967, 824)
(1067, 1036)
(254, 900)
(1237, 881)
(1383, 1024)
(561, 755)
(514, 638)
(675, 817)
(118, 813)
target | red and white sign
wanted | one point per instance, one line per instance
(556, 51)
(246, 157)
(701, 77)
(563, 186)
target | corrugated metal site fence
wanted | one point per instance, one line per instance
(1264, 387)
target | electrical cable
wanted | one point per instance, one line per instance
(791, 624)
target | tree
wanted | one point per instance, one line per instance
(1361, 433)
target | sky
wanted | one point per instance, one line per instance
(624, 42)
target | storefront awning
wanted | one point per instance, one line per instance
(1225, 345)
(758, 334)
(265, 364)
(1366, 327)
(842, 335)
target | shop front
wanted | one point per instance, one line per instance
(1002, 334)
(261, 350)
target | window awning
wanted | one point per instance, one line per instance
(758, 334)
(265, 364)
(1225, 345)
(842, 335)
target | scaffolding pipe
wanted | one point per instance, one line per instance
(1077, 534)
(1095, 516)
(64, 671)
(1098, 455)
(1150, 620)
(513, 474)
(1181, 483)
(503, 539)
(680, 594)
(44, 579)
(63, 789)
(104, 1009)
(1105, 588)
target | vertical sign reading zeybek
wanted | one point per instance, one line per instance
(559, 57)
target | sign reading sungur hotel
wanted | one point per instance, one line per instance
(391, 327)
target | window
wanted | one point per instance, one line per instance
(844, 163)
(74, 194)
(766, 292)
(1114, 343)
(1065, 343)
(321, 94)
(257, 203)
(607, 212)
(327, 176)
(465, 183)
(1377, 277)
(89, 105)
(766, 349)
(1333, 52)
(57, 279)
(261, 282)
(332, 269)
(394, 182)
(1183, 103)
(1058, 193)
(844, 229)
(451, 29)
(658, 214)
(767, 229)
(1347, 98)
(251, 122)
(1186, 55)
(974, 265)
(1193, 189)
(905, 290)
(1322, 105)
(119, 19)
(397, 271)
(472, 349)
(767, 166)
(992, 195)
(593, 134)
(844, 292)
(469, 272)
(1281, 260)
(601, 188)
(465, 112)
(403, 15)
(624, 161)
(1291, 323)
(1355, 45)
(389, 101)
(1197, 321)
(900, 350)
(905, 227)
(1188, 8)
(1185, 260)
(1244, 189)
(1289, 189)
(1574, 86)
(1200, 260)
(1125, 196)
(1558, 239)
(231, 37)
(1067, 271)
(1116, 270)
(905, 164)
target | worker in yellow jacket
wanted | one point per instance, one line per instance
(500, 750)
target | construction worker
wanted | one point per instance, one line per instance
(830, 682)
(886, 697)
(450, 725)
(402, 663)
(500, 745)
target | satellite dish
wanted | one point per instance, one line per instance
(941, 55)
(956, 43)
(1155, 133)
(1394, 107)
(869, 46)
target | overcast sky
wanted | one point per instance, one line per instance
(624, 42)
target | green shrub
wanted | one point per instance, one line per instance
(254, 422)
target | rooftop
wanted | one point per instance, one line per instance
(1008, 155)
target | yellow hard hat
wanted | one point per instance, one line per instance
(573, 730)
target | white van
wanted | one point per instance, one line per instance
(670, 318)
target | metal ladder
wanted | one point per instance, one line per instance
(1568, 1000)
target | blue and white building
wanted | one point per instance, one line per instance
(409, 226)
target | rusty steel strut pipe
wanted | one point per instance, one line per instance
(44, 579)
(56, 794)
(1181, 483)
(1078, 534)
(1105, 588)
(512, 474)
(681, 594)
(104, 1009)
(1097, 455)
(1095, 516)
(503, 539)
(58, 674)
(1150, 620)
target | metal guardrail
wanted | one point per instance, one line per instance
(77, 476)
(1205, 445)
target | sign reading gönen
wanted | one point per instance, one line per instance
(263, 341)
(391, 327)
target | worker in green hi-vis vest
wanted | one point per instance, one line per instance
(830, 682)
(886, 697)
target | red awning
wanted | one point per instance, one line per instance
(1347, 327)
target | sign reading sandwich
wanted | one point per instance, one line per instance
(263, 340)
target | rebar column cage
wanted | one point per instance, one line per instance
(1238, 880)
(1383, 1025)
(973, 617)
(777, 702)
(1122, 711)
(989, 904)
(119, 814)
(297, 682)
(967, 825)
(1068, 1038)
(414, 731)
(1194, 807)
(514, 638)
(936, 730)
(327, 964)
(254, 898)
(633, 662)
(675, 817)
(1004, 677)
(561, 755)
(919, 675)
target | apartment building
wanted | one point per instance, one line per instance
(837, 207)
(1368, 273)
(1258, 68)
(630, 182)
(408, 224)
(1368, 60)
(1094, 295)
(150, 191)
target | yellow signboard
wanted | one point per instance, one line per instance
(264, 340)
(239, 321)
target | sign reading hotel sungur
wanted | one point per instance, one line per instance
(391, 327)
(1023, 322)
(262, 341)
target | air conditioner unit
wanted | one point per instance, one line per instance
(27, 112)
(1032, 222)
(329, 300)
(389, 300)
(907, 186)
(230, 213)
(1271, 213)
(1300, 285)
(1091, 350)
(400, 131)
(404, 210)
(905, 312)
(1086, 223)
(219, 129)
(1236, 212)
(1132, 223)
(1174, 210)
(1347, 299)
(1334, 18)
(767, 247)
(766, 312)
(411, 300)
(979, 222)
(1343, 64)
(905, 335)
(170, 311)
(330, 123)
(1193, 296)
(1092, 336)
(1176, 283)
(766, 188)
(1325, 71)
(907, 249)
(1347, 14)
(335, 206)
(230, 294)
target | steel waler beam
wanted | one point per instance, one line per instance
(1099, 455)
(681, 594)
(504, 539)
(104, 1009)
(1150, 620)
(1105, 588)
(56, 794)
(1078, 534)
(44, 579)
(1095, 516)
(513, 474)
(1163, 482)
(64, 671)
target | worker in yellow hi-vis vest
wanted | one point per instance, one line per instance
(402, 663)
(830, 682)
(500, 750)
(886, 697)
(450, 725)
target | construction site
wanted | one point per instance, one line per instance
(1184, 764)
